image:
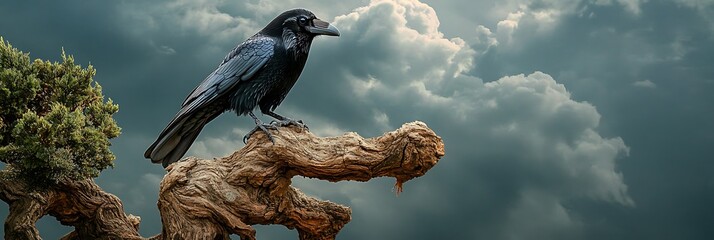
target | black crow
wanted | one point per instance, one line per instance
(258, 72)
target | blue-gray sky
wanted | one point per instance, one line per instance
(562, 119)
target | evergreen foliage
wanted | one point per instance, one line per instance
(54, 121)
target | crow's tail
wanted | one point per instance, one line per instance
(177, 137)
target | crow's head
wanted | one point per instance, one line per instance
(297, 28)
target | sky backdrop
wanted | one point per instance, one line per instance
(562, 119)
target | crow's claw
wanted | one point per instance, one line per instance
(288, 122)
(261, 127)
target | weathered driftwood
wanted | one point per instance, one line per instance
(205, 199)
(211, 199)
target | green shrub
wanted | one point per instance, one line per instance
(54, 122)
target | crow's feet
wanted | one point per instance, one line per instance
(287, 122)
(262, 127)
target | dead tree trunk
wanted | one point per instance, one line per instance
(211, 199)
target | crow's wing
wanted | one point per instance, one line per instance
(239, 65)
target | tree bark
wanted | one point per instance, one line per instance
(211, 199)
(94, 213)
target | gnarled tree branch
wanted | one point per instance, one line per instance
(208, 199)
(94, 213)
(211, 199)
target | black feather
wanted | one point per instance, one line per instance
(257, 73)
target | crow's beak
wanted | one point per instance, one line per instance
(320, 27)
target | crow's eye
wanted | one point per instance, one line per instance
(302, 20)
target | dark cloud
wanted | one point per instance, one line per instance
(518, 148)
(534, 150)
(645, 73)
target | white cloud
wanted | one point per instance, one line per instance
(136, 196)
(540, 17)
(215, 147)
(404, 67)
(540, 216)
(506, 27)
(381, 26)
(484, 38)
(699, 4)
(632, 6)
(540, 20)
(555, 135)
(644, 84)
(205, 18)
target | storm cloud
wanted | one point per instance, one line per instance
(561, 119)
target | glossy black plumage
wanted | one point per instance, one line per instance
(257, 73)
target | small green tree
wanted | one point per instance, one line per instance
(54, 122)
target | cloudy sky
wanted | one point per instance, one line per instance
(562, 119)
